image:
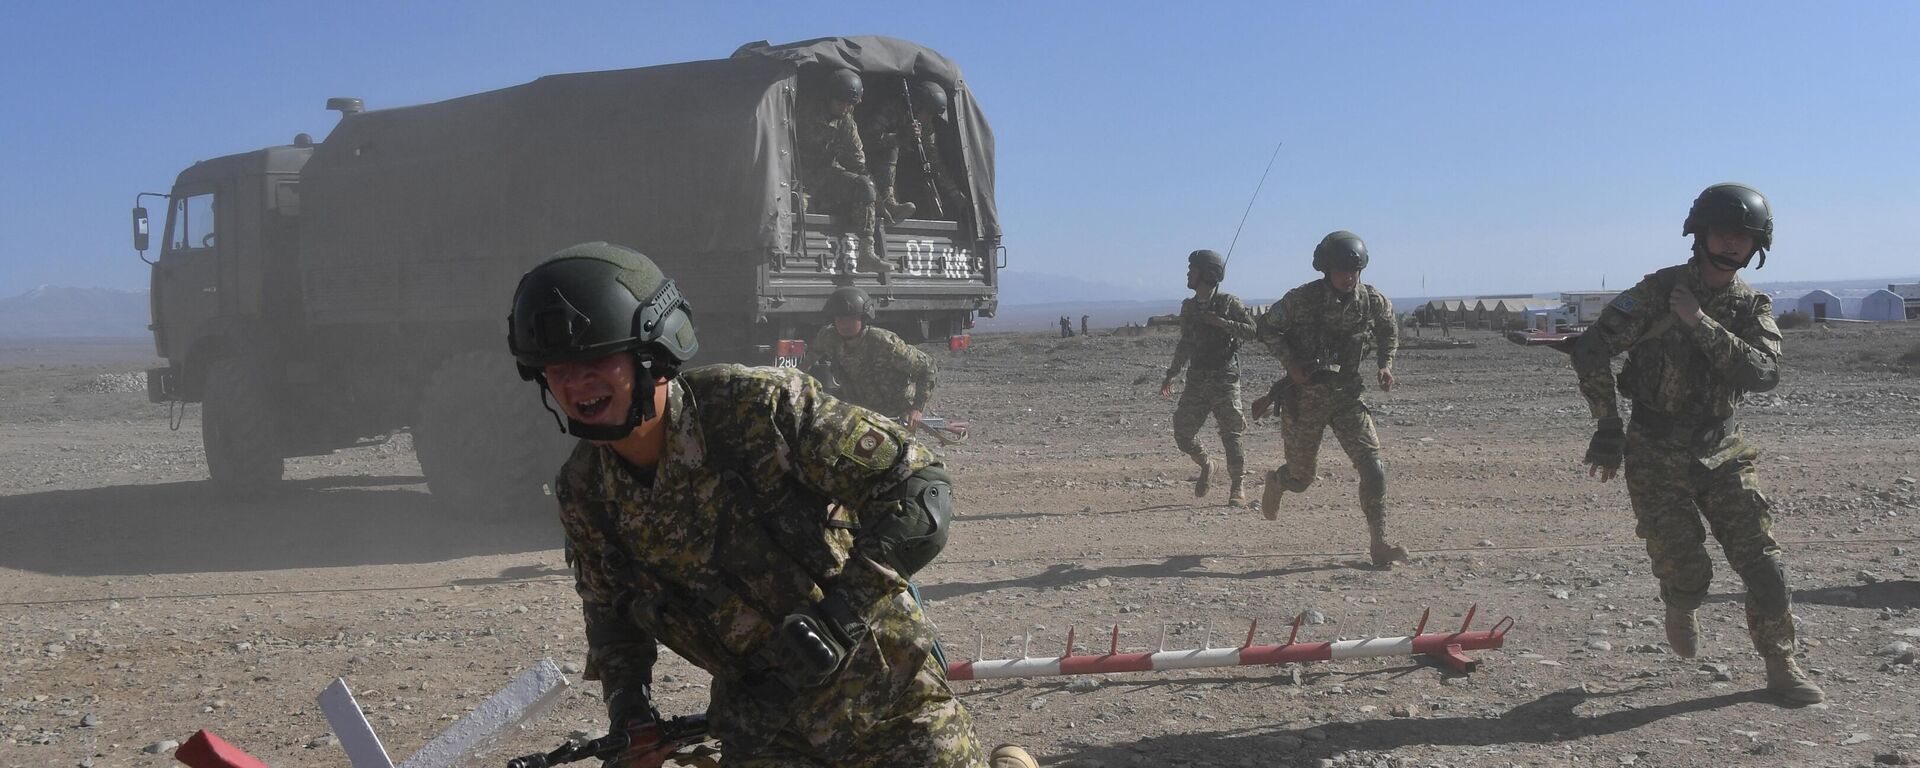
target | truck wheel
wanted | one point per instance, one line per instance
(238, 426)
(484, 443)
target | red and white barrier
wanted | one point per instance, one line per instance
(1447, 648)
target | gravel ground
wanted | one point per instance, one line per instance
(137, 607)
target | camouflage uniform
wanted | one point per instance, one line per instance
(833, 166)
(1685, 457)
(1312, 326)
(748, 517)
(878, 370)
(1212, 359)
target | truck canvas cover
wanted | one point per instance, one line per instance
(683, 161)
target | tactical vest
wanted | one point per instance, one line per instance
(1214, 350)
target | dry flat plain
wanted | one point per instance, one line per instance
(137, 607)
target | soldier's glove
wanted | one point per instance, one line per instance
(1609, 444)
(631, 711)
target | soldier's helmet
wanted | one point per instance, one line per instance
(845, 85)
(594, 299)
(1732, 206)
(1212, 266)
(848, 301)
(1340, 251)
(930, 96)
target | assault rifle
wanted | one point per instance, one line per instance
(920, 151)
(684, 731)
(949, 431)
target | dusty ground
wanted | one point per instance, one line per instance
(135, 607)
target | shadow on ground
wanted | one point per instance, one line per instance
(1549, 719)
(1898, 595)
(191, 528)
(1063, 574)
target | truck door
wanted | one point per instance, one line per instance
(186, 279)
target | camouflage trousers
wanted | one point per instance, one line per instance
(1672, 493)
(1216, 394)
(938, 733)
(1305, 414)
(842, 193)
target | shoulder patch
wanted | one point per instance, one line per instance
(1623, 302)
(869, 445)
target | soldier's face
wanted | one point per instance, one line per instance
(849, 326)
(1343, 281)
(594, 391)
(840, 108)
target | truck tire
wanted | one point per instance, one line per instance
(239, 427)
(484, 443)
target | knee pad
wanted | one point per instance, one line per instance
(1766, 580)
(1373, 476)
(863, 191)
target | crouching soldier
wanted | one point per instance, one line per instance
(758, 528)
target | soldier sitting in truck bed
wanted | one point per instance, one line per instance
(833, 164)
(907, 120)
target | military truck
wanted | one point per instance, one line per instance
(321, 295)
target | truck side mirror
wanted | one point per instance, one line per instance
(140, 229)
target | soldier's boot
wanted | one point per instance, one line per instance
(865, 259)
(896, 211)
(1683, 632)
(1789, 683)
(1270, 495)
(1235, 496)
(1010, 756)
(1382, 551)
(1204, 482)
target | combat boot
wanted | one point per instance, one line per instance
(865, 260)
(1235, 496)
(1384, 552)
(897, 211)
(1789, 683)
(1683, 632)
(1204, 482)
(1010, 756)
(1270, 495)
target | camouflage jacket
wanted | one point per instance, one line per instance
(751, 513)
(1693, 374)
(1209, 349)
(826, 142)
(1314, 325)
(880, 370)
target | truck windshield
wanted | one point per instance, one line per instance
(192, 223)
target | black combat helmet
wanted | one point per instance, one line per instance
(844, 85)
(1731, 206)
(930, 96)
(1340, 251)
(592, 300)
(847, 301)
(1212, 266)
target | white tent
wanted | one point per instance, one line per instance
(1821, 304)
(1883, 305)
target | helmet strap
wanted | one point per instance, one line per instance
(641, 409)
(1700, 248)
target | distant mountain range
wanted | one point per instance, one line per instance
(51, 311)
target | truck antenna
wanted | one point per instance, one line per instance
(1256, 196)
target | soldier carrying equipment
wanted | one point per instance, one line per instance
(919, 144)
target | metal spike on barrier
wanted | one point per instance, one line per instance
(1448, 648)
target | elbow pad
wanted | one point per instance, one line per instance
(1760, 373)
(914, 522)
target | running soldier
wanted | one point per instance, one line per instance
(1323, 332)
(1697, 337)
(1212, 326)
(757, 527)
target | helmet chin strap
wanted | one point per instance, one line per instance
(1726, 263)
(641, 409)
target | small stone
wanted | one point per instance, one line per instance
(1857, 738)
(1894, 648)
(243, 646)
(1908, 632)
(1103, 582)
(1764, 748)
(1720, 672)
(1893, 758)
(1484, 543)
(324, 740)
(1404, 710)
(1083, 685)
(1037, 704)
(1313, 617)
(570, 668)
(89, 720)
(1561, 594)
(1599, 645)
(159, 747)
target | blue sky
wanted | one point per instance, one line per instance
(1480, 147)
